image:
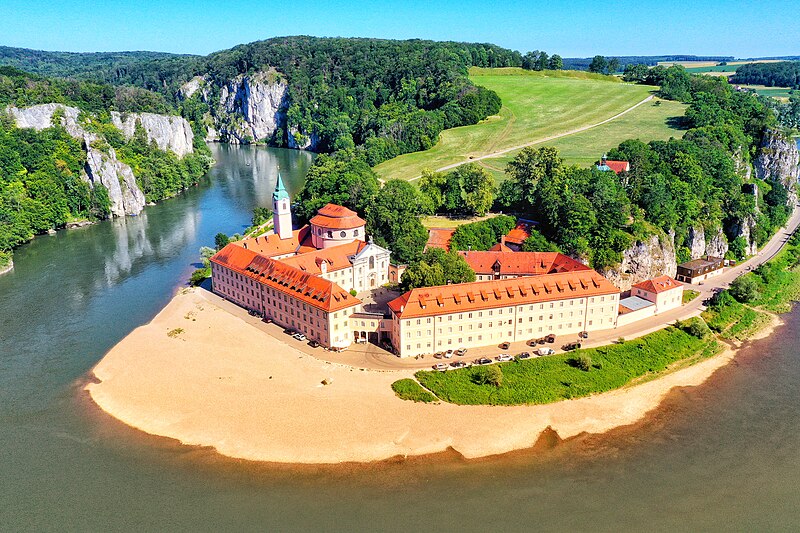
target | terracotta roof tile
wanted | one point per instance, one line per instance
(313, 290)
(515, 291)
(618, 166)
(439, 238)
(520, 232)
(272, 245)
(336, 257)
(521, 263)
(334, 216)
(659, 284)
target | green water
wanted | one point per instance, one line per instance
(719, 457)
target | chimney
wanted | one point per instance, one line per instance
(245, 246)
(503, 240)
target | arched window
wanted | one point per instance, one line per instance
(372, 262)
(330, 234)
(355, 233)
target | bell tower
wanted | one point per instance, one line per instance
(281, 211)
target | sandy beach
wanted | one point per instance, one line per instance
(203, 376)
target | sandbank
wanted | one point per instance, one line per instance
(218, 381)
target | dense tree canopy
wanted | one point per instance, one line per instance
(780, 74)
(437, 267)
(467, 190)
(483, 234)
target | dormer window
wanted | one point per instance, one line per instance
(343, 234)
(330, 234)
(355, 233)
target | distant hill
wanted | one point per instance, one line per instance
(582, 63)
(88, 65)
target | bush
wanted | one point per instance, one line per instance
(199, 276)
(353, 292)
(488, 375)
(745, 289)
(697, 328)
(408, 389)
(584, 362)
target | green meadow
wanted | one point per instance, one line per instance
(536, 105)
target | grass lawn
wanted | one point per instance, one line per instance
(440, 221)
(553, 378)
(647, 122)
(689, 295)
(408, 389)
(535, 106)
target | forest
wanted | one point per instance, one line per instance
(780, 74)
(41, 173)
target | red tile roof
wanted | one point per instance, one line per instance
(618, 166)
(657, 285)
(272, 245)
(521, 263)
(520, 232)
(445, 299)
(313, 290)
(500, 247)
(439, 238)
(336, 257)
(334, 216)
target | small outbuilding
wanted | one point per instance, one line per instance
(698, 270)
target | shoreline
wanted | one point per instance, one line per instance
(208, 386)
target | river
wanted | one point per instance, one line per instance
(720, 456)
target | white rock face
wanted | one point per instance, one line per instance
(644, 260)
(745, 229)
(198, 83)
(169, 132)
(779, 158)
(101, 167)
(696, 242)
(702, 243)
(259, 100)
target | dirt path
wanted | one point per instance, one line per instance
(539, 141)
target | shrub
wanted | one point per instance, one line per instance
(745, 289)
(584, 362)
(353, 292)
(488, 375)
(199, 276)
(696, 327)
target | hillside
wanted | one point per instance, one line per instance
(536, 105)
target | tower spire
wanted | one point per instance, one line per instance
(281, 210)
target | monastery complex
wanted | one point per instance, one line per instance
(321, 280)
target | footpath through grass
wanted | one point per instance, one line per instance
(559, 377)
(535, 106)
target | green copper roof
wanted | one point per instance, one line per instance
(280, 191)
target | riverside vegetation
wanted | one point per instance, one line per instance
(734, 314)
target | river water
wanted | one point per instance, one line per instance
(720, 456)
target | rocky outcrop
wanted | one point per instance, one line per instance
(168, 132)
(745, 229)
(249, 108)
(779, 158)
(655, 256)
(716, 244)
(102, 166)
(702, 243)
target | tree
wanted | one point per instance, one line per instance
(542, 61)
(393, 220)
(745, 289)
(488, 375)
(483, 234)
(525, 171)
(613, 65)
(437, 267)
(599, 65)
(221, 241)
(538, 243)
(635, 72)
(555, 63)
(477, 189)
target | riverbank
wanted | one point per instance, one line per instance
(201, 375)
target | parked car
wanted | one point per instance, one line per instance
(524, 355)
(441, 367)
(571, 346)
(268, 320)
(361, 340)
(252, 312)
(299, 336)
(289, 331)
(550, 339)
(438, 355)
(504, 357)
(458, 364)
(461, 352)
(505, 345)
(448, 354)
(313, 344)
(483, 361)
(545, 351)
(583, 334)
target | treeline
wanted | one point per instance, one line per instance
(539, 60)
(672, 186)
(582, 63)
(23, 89)
(781, 74)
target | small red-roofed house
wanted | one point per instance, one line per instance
(663, 291)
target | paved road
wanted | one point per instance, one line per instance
(539, 141)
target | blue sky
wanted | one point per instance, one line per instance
(739, 28)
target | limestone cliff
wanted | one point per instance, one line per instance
(102, 166)
(702, 243)
(646, 259)
(779, 158)
(168, 132)
(248, 108)
(745, 229)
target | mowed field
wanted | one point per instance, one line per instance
(536, 105)
(656, 120)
